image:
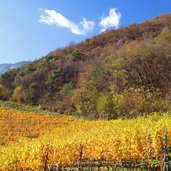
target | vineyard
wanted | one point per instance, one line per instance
(37, 141)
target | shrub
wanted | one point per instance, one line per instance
(73, 56)
(84, 101)
(50, 58)
(136, 102)
(4, 92)
(51, 82)
(66, 90)
(33, 92)
(105, 107)
(19, 95)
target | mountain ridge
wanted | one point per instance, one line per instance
(4, 67)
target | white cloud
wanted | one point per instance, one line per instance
(110, 21)
(51, 17)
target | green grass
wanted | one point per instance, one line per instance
(14, 105)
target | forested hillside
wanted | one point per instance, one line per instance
(117, 74)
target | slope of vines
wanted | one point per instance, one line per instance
(26, 138)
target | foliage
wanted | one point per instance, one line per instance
(33, 92)
(135, 102)
(66, 90)
(4, 92)
(50, 58)
(27, 137)
(105, 107)
(19, 95)
(51, 82)
(119, 73)
(73, 56)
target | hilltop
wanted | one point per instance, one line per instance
(119, 73)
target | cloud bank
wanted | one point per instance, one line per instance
(112, 20)
(51, 17)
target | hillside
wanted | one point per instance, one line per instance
(6, 67)
(119, 73)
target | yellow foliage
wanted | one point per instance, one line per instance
(19, 94)
(26, 138)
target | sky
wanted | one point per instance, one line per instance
(30, 29)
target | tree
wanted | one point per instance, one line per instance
(105, 107)
(19, 95)
(4, 92)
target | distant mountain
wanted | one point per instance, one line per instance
(6, 67)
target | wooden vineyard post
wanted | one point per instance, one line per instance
(59, 168)
(98, 167)
(114, 167)
(165, 156)
(107, 165)
(90, 166)
(46, 162)
(80, 158)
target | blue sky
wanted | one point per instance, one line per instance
(30, 29)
